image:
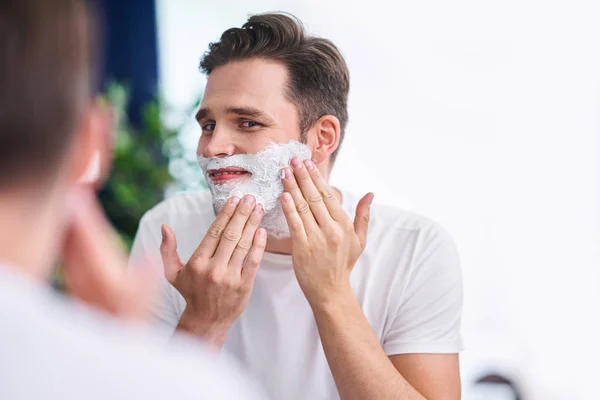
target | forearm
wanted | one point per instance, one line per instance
(359, 365)
(213, 334)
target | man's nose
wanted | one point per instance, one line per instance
(219, 145)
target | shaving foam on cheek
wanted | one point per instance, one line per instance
(264, 183)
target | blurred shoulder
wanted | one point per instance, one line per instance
(109, 357)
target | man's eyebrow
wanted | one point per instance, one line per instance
(242, 111)
(202, 113)
(247, 112)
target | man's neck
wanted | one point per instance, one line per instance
(27, 237)
(279, 246)
(284, 246)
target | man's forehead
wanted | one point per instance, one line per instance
(241, 102)
(256, 85)
(252, 78)
(224, 101)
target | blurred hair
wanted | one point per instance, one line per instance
(45, 82)
(319, 79)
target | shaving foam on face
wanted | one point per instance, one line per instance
(264, 183)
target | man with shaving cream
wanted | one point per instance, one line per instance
(320, 294)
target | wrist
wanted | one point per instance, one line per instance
(332, 300)
(213, 333)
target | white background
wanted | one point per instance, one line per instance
(483, 116)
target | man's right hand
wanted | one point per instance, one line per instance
(217, 281)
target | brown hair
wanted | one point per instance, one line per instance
(44, 84)
(319, 80)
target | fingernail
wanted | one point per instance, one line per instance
(261, 232)
(286, 197)
(258, 209)
(296, 163)
(288, 173)
(282, 173)
(372, 198)
(234, 201)
(163, 232)
(309, 165)
(249, 199)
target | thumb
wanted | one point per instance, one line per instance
(168, 250)
(361, 220)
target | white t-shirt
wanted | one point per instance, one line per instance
(407, 280)
(52, 348)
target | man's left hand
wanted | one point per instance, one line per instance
(325, 242)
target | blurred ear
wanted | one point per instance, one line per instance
(324, 138)
(91, 154)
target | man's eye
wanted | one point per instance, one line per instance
(208, 127)
(249, 124)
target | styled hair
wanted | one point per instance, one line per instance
(318, 77)
(45, 62)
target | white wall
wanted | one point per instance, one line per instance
(482, 116)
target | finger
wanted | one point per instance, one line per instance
(233, 231)
(311, 194)
(290, 185)
(361, 220)
(168, 251)
(326, 192)
(245, 243)
(294, 221)
(209, 244)
(254, 257)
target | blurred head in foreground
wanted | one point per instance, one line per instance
(49, 124)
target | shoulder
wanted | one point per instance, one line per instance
(135, 359)
(394, 224)
(406, 248)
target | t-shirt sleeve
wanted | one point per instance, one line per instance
(427, 316)
(145, 253)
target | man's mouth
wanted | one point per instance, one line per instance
(223, 175)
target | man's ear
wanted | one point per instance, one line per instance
(325, 138)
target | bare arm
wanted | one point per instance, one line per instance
(436, 376)
(359, 365)
(361, 368)
(326, 245)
